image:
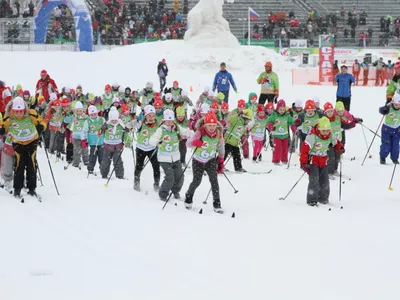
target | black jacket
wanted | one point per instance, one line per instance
(162, 69)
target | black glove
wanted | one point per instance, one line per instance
(40, 129)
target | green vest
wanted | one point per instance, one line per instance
(77, 125)
(184, 124)
(309, 122)
(176, 94)
(169, 143)
(56, 119)
(169, 105)
(22, 130)
(111, 137)
(146, 99)
(235, 131)
(258, 129)
(392, 118)
(143, 137)
(336, 126)
(208, 150)
(319, 147)
(107, 101)
(281, 125)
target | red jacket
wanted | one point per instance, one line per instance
(46, 87)
(4, 99)
(319, 161)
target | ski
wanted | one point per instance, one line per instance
(36, 196)
(249, 172)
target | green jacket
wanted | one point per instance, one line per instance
(235, 131)
(269, 83)
(392, 88)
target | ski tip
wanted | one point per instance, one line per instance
(22, 200)
(236, 191)
(176, 204)
(233, 215)
(341, 207)
(201, 211)
(105, 185)
(390, 188)
(330, 209)
(281, 198)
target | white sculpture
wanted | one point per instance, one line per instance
(207, 27)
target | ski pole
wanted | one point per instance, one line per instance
(208, 194)
(112, 172)
(284, 198)
(375, 133)
(266, 149)
(369, 148)
(94, 154)
(391, 180)
(235, 190)
(40, 175)
(51, 170)
(366, 142)
(183, 172)
(134, 160)
(291, 150)
(340, 177)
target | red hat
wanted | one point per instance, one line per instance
(328, 106)
(158, 103)
(20, 92)
(43, 73)
(225, 105)
(241, 103)
(175, 83)
(260, 108)
(270, 105)
(268, 64)
(309, 104)
(72, 91)
(210, 118)
(214, 105)
(156, 95)
(65, 102)
(56, 103)
(281, 103)
(163, 60)
(124, 108)
(108, 87)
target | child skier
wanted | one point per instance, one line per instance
(25, 127)
(346, 118)
(147, 94)
(113, 145)
(168, 103)
(258, 132)
(107, 97)
(6, 157)
(313, 159)
(159, 108)
(278, 124)
(54, 120)
(92, 133)
(208, 157)
(182, 121)
(146, 128)
(307, 120)
(236, 128)
(80, 146)
(126, 117)
(390, 130)
(195, 116)
(295, 111)
(167, 138)
(224, 115)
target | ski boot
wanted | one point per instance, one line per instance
(188, 202)
(217, 207)
(156, 186)
(177, 196)
(396, 161)
(254, 159)
(383, 161)
(241, 170)
(136, 184)
(312, 203)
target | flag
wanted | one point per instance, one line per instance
(253, 15)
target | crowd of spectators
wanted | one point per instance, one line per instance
(63, 27)
(18, 9)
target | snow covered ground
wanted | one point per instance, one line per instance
(94, 242)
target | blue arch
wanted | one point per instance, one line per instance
(83, 21)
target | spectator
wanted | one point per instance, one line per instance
(256, 28)
(344, 81)
(379, 65)
(222, 82)
(269, 85)
(363, 18)
(365, 67)
(361, 39)
(383, 24)
(346, 34)
(356, 70)
(343, 13)
(389, 68)
(264, 30)
(31, 8)
(185, 7)
(45, 86)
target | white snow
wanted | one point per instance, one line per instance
(94, 242)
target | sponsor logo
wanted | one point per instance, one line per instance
(166, 138)
(318, 145)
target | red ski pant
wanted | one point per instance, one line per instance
(257, 147)
(281, 147)
(245, 145)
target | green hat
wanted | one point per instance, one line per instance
(180, 111)
(251, 95)
(339, 106)
(91, 97)
(220, 96)
(324, 124)
(248, 114)
(18, 87)
(73, 104)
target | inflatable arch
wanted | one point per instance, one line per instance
(83, 21)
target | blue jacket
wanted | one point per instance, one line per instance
(344, 82)
(222, 80)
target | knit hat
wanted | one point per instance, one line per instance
(125, 108)
(324, 124)
(113, 114)
(78, 105)
(268, 64)
(270, 105)
(53, 96)
(220, 96)
(260, 108)
(108, 87)
(115, 100)
(298, 104)
(241, 103)
(328, 106)
(210, 118)
(65, 102)
(43, 73)
(225, 105)
(396, 99)
(168, 97)
(18, 104)
(92, 109)
(281, 103)
(158, 103)
(309, 105)
(175, 83)
(248, 114)
(91, 97)
(339, 106)
(149, 109)
(56, 104)
(168, 115)
(214, 105)
(205, 108)
(253, 96)
(180, 111)
(115, 84)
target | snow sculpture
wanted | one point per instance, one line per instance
(207, 27)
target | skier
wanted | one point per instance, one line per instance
(46, 133)
(147, 94)
(65, 128)
(53, 120)
(295, 111)
(269, 85)
(356, 70)
(146, 128)
(365, 66)
(162, 72)
(394, 83)
(182, 121)
(159, 108)
(176, 93)
(313, 160)
(166, 138)
(92, 133)
(307, 120)
(168, 103)
(197, 115)
(126, 117)
(237, 126)
(80, 146)
(115, 89)
(204, 97)
(278, 124)
(25, 127)
(208, 157)
(390, 130)
(6, 157)
(45, 86)
(107, 97)
(224, 116)
(258, 132)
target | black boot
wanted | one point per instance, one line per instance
(136, 184)
(383, 161)
(217, 206)
(177, 196)
(32, 193)
(396, 161)
(156, 186)
(17, 193)
(188, 202)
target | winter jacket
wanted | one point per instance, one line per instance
(222, 82)
(162, 70)
(5, 97)
(269, 83)
(344, 82)
(279, 124)
(46, 87)
(392, 88)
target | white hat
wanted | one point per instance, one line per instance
(78, 105)
(149, 109)
(168, 115)
(205, 108)
(67, 90)
(149, 85)
(53, 96)
(115, 84)
(113, 114)
(316, 100)
(115, 99)
(92, 109)
(168, 97)
(396, 99)
(121, 90)
(298, 103)
(207, 89)
(18, 103)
